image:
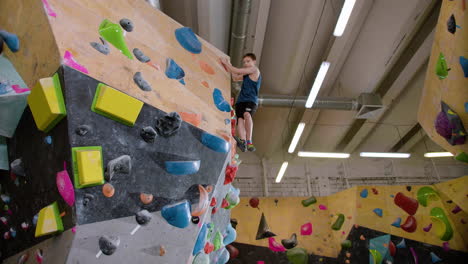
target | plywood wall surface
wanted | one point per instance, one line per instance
(453, 90)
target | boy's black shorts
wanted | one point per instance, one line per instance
(243, 107)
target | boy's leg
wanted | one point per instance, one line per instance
(241, 128)
(240, 138)
(248, 126)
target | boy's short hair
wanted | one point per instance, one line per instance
(251, 55)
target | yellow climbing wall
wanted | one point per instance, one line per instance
(287, 216)
(76, 25)
(451, 90)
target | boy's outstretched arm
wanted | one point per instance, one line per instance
(238, 71)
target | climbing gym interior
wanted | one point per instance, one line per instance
(123, 138)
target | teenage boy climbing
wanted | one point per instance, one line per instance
(247, 101)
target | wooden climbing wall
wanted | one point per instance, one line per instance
(75, 26)
(453, 89)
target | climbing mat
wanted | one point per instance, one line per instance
(447, 79)
(124, 141)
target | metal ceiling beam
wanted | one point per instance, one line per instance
(347, 104)
(419, 35)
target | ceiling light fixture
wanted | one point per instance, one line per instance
(437, 154)
(334, 155)
(281, 172)
(317, 84)
(297, 136)
(344, 17)
(385, 155)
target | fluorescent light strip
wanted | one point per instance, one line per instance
(438, 154)
(297, 136)
(385, 155)
(281, 172)
(317, 84)
(344, 17)
(334, 155)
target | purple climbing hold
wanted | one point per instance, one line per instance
(457, 209)
(188, 40)
(446, 246)
(427, 228)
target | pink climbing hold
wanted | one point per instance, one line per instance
(260, 262)
(275, 246)
(65, 186)
(446, 246)
(322, 207)
(19, 90)
(306, 229)
(70, 61)
(73, 229)
(49, 9)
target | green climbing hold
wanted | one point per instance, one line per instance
(426, 194)
(462, 156)
(346, 244)
(218, 241)
(113, 34)
(440, 224)
(309, 201)
(297, 256)
(339, 222)
(441, 67)
(376, 256)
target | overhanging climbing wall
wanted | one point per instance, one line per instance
(101, 167)
(424, 215)
(447, 79)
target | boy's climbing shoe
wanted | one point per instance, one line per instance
(241, 144)
(251, 147)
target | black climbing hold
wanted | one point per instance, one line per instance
(291, 242)
(143, 217)
(276, 202)
(168, 124)
(126, 24)
(103, 48)
(263, 229)
(234, 223)
(122, 164)
(82, 130)
(195, 219)
(148, 134)
(452, 24)
(87, 198)
(1, 45)
(449, 201)
(17, 167)
(108, 244)
(140, 55)
(142, 83)
(408, 188)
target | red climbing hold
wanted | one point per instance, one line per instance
(209, 247)
(374, 190)
(392, 249)
(254, 202)
(224, 204)
(233, 251)
(406, 203)
(215, 209)
(410, 224)
(213, 202)
(231, 172)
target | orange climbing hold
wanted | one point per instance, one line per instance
(146, 198)
(205, 83)
(209, 188)
(192, 118)
(206, 67)
(108, 190)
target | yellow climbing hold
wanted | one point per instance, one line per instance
(116, 105)
(87, 166)
(46, 103)
(49, 221)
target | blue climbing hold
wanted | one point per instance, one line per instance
(178, 214)
(466, 107)
(227, 121)
(215, 143)
(182, 167)
(11, 40)
(364, 193)
(464, 65)
(188, 40)
(223, 256)
(231, 235)
(48, 140)
(435, 258)
(378, 211)
(200, 243)
(174, 71)
(220, 102)
(402, 244)
(397, 222)
(182, 81)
